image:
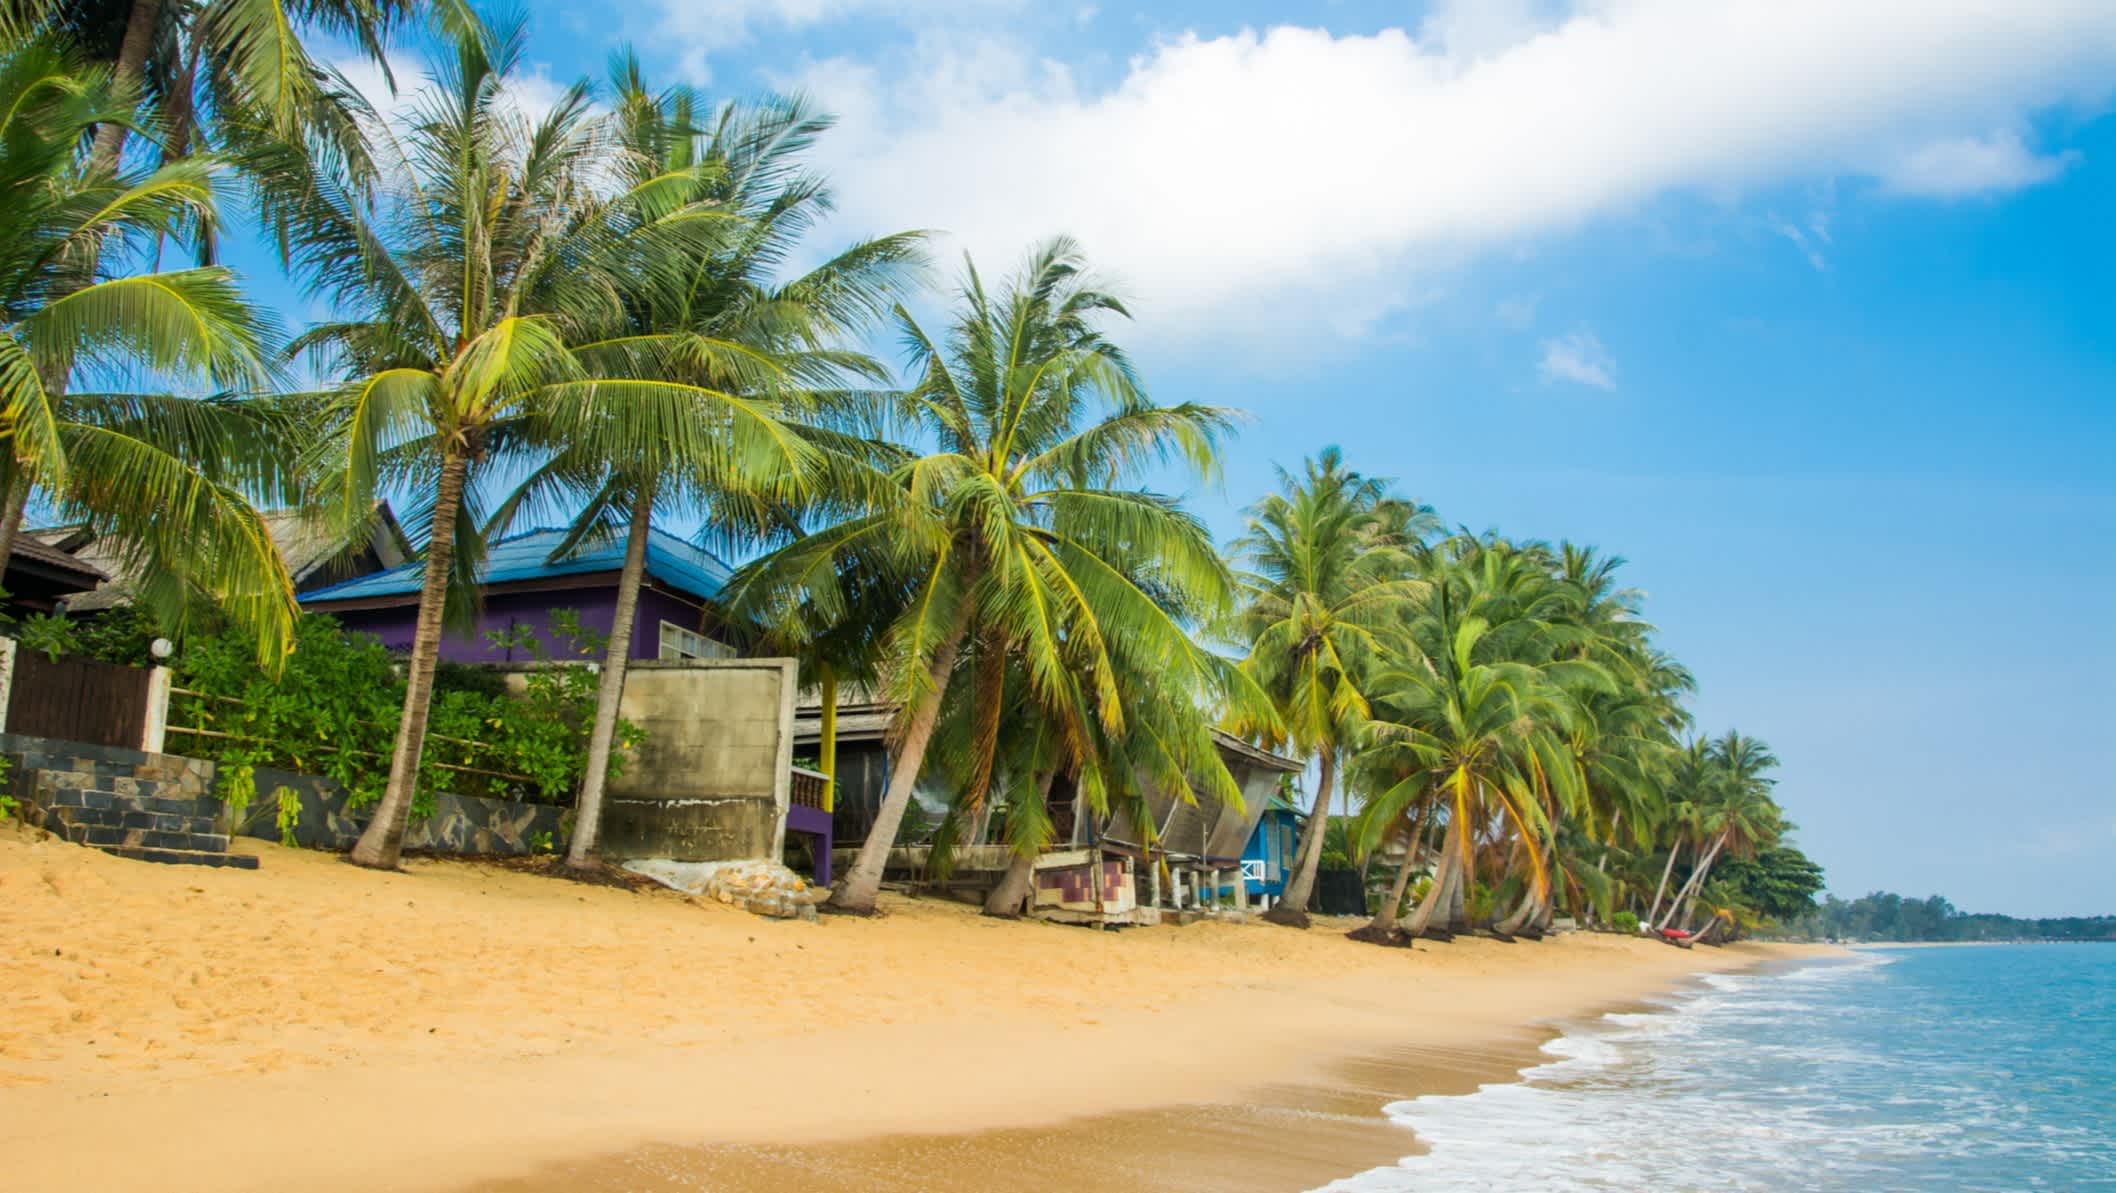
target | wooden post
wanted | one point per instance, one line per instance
(1154, 881)
(827, 751)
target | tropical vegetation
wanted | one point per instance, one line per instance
(591, 309)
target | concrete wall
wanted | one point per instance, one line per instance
(711, 782)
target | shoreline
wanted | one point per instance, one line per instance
(464, 1026)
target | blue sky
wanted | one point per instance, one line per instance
(1802, 308)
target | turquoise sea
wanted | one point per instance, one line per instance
(1971, 1068)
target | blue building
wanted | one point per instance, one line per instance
(1269, 854)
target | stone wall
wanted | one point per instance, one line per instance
(461, 824)
(710, 782)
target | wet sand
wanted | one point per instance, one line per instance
(311, 1025)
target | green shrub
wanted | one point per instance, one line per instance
(333, 711)
(1625, 922)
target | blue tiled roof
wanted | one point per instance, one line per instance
(670, 560)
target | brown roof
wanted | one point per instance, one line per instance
(305, 548)
(31, 548)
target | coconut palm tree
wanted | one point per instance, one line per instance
(1741, 818)
(476, 294)
(1475, 719)
(167, 479)
(1015, 520)
(1693, 791)
(1326, 578)
(739, 343)
(215, 73)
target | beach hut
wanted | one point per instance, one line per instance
(1192, 860)
(1269, 854)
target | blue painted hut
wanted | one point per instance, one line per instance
(1269, 854)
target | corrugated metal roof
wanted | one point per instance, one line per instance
(526, 556)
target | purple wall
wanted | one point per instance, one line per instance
(596, 607)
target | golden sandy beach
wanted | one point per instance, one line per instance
(314, 1026)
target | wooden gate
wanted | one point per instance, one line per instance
(103, 704)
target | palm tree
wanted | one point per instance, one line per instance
(739, 345)
(1693, 792)
(1742, 818)
(1475, 717)
(1020, 526)
(476, 291)
(216, 73)
(1326, 580)
(165, 478)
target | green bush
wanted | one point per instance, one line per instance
(333, 711)
(1625, 922)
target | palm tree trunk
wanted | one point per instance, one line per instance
(1443, 880)
(1292, 908)
(1653, 916)
(1013, 889)
(1697, 880)
(128, 72)
(587, 815)
(16, 499)
(865, 882)
(1007, 898)
(383, 842)
(1383, 925)
(1385, 916)
(1615, 822)
(1529, 907)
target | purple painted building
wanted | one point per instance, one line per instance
(521, 585)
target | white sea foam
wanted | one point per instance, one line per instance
(1825, 1077)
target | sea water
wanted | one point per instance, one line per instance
(1969, 1068)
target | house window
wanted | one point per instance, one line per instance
(680, 643)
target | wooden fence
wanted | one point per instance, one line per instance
(102, 704)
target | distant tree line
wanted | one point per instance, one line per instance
(1887, 916)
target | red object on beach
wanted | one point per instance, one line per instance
(1674, 934)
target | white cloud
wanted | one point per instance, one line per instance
(1233, 178)
(1962, 166)
(1580, 358)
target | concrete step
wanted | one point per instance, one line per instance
(100, 836)
(103, 799)
(164, 822)
(182, 857)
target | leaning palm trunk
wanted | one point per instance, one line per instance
(1696, 883)
(1012, 892)
(1383, 925)
(865, 881)
(1292, 908)
(1530, 908)
(1007, 897)
(1653, 916)
(1444, 880)
(1615, 822)
(587, 816)
(383, 842)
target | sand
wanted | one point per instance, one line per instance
(312, 1025)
